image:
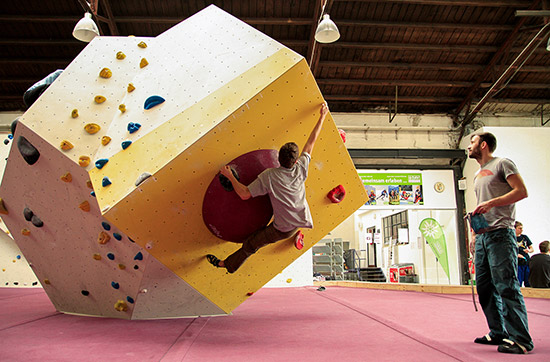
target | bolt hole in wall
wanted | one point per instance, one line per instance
(407, 231)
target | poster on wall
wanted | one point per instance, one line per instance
(393, 188)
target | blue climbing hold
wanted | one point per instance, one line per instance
(126, 144)
(139, 256)
(92, 193)
(130, 299)
(18, 256)
(105, 182)
(106, 225)
(111, 256)
(115, 285)
(117, 236)
(10, 136)
(153, 101)
(133, 127)
(101, 162)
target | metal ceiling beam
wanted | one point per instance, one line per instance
(422, 83)
(506, 3)
(389, 98)
(106, 5)
(506, 45)
(423, 66)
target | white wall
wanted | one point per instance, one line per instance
(529, 149)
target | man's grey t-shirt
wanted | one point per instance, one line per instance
(490, 182)
(287, 192)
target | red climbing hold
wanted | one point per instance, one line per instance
(342, 134)
(299, 240)
(337, 194)
(225, 214)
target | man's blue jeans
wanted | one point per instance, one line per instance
(496, 262)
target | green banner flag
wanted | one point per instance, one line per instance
(433, 233)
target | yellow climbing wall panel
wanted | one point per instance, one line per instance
(164, 213)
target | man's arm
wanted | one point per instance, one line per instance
(316, 130)
(518, 192)
(240, 189)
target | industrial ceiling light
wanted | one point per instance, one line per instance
(86, 29)
(327, 31)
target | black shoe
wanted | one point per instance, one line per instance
(486, 339)
(213, 260)
(512, 347)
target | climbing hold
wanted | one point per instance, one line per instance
(105, 140)
(99, 99)
(149, 245)
(129, 238)
(84, 161)
(47, 281)
(117, 236)
(111, 256)
(18, 257)
(133, 127)
(121, 305)
(121, 266)
(85, 293)
(136, 267)
(126, 144)
(97, 256)
(130, 299)
(103, 238)
(66, 145)
(153, 101)
(337, 194)
(122, 108)
(139, 256)
(342, 134)
(92, 193)
(67, 177)
(131, 88)
(74, 113)
(101, 162)
(289, 280)
(89, 184)
(27, 213)
(105, 182)
(25, 232)
(226, 183)
(321, 288)
(6, 141)
(105, 73)
(250, 294)
(299, 240)
(143, 63)
(120, 55)
(92, 128)
(106, 225)
(142, 45)
(36, 221)
(28, 151)
(144, 176)
(84, 206)
(3, 209)
(115, 285)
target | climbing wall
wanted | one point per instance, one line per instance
(143, 126)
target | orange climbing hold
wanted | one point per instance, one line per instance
(121, 306)
(142, 44)
(84, 161)
(103, 238)
(337, 194)
(99, 99)
(143, 63)
(66, 145)
(89, 184)
(67, 177)
(3, 209)
(74, 113)
(105, 140)
(120, 55)
(26, 232)
(97, 256)
(84, 206)
(122, 108)
(105, 73)
(131, 87)
(92, 128)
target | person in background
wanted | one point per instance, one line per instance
(525, 246)
(498, 186)
(540, 267)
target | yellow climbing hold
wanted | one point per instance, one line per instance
(99, 99)
(121, 266)
(131, 87)
(92, 128)
(89, 184)
(122, 108)
(105, 73)
(84, 206)
(289, 280)
(103, 238)
(142, 45)
(74, 113)
(84, 161)
(25, 232)
(3, 209)
(120, 55)
(97, 256)
(67, 177)
(121, 306)
(105, 140)
(143, 63)
(66, 145)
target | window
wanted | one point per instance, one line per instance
(392, 224)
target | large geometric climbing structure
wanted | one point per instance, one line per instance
(202, 94)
